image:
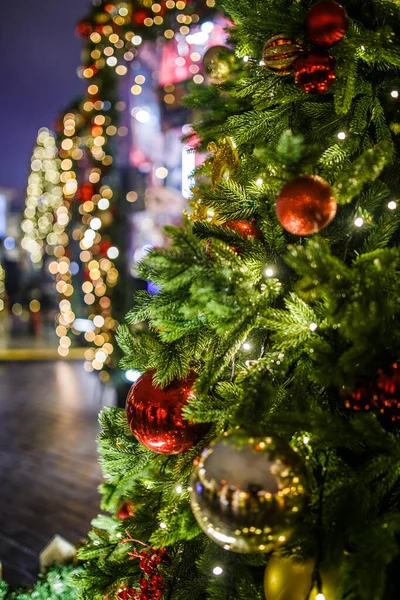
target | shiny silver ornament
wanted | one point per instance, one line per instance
(249, 492)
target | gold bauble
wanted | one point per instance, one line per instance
(217, 63)
(287, 579)
(248, 493)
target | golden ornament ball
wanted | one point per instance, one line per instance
(280, 53)
(248, 493)
(218, 62)
(287, 579)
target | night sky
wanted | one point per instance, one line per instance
(39, 57)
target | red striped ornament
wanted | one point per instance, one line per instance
(280, 53)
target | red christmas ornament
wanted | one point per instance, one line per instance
(139, 16)
(280, 53)
(104, 247)
(83, 28)
(86, 192)
(326, 23)
(315, 72)
(126, 510)
(245, 228)
(305, 205)
(126, 594)
(381, 395)
(155, 415)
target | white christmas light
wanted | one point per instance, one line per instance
(394, 94)
(246, 346)
(306, 439)
(392, 205)
(246, 58)
(161, 173)
(359, 222)
(142, 115)
(207, 27)
(259, 181)
(341, 135)
(163, 525)
(313, 326)
(103, 204)
(113, 252)
(218, 570)
(95, 223)
(320, 597)
(269, 272)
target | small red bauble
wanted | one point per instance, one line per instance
(245, 228)
(126, 510)
(381, 395)
(280, 53)
(84, 28)
(315, 72)
(155, 415)
(326, 23)
(139, 16)
(86, 192)
(126, 594)
(305, 205)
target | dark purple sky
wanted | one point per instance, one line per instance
(39, 55)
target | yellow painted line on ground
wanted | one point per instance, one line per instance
(25, 354)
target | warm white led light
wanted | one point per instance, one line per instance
(359, 222)
(313, 326)
(218, 570)
(394, 94)
(392, 205)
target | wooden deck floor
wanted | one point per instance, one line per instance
(48, 460)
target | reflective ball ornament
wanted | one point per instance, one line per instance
(326, 23)
(245, 228)
(280, 54)
(126, 510)
(380, 394)
(286, 579)
(306, 205)
(155, 415)
(248, 492)
(315, 72)
(218, 62)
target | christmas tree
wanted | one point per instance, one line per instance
(259, 453)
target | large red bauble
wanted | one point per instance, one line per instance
(381, 394)
(305, 205)
(245, 228)
(155, 414)
(315, 72)
(326, 23)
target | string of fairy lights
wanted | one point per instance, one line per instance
(71, 195)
